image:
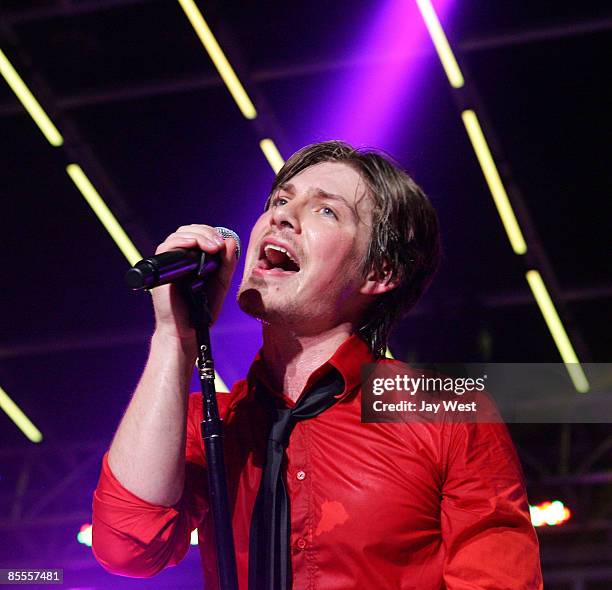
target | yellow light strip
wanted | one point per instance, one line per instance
(496, 186)
(14, 412)
(91, 195)
(268, 147)
(445, 53)
(218, 57)
(28, 101)
(100, 208)
(566, 350)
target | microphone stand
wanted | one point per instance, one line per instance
(212, 434)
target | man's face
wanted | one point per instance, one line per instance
(306, 252)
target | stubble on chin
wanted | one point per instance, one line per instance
(255, 300)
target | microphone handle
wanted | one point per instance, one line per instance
(169, 267)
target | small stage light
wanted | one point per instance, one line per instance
(549, 513)
(84, 535)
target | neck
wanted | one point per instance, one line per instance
(290, 358)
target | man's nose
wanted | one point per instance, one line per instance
(287, 215)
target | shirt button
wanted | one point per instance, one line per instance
(301, 475)
(301, 543)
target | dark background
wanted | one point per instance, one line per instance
(144, 112)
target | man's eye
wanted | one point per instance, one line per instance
(277, 201)
(328, 212)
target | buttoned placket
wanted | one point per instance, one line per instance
(302, 509)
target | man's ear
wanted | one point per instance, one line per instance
(377, 283)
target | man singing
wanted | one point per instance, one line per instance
(346, 245)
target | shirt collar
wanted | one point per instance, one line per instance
(348, 359)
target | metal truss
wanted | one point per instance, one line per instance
(45, 496)
(153, 88)
(75, 147)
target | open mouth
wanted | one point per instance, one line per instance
(275, 259)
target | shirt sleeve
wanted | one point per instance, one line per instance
(135, 538)
(486, 528)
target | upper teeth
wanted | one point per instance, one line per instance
(279, 249)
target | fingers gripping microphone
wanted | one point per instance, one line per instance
(174, 265)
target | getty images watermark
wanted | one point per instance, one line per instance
(393, 391)
(422, 384)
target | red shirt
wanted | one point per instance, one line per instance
(373, 506)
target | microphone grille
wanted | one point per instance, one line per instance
(228, 233)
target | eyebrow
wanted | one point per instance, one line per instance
(321, 194)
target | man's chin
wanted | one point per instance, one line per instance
(250, 301)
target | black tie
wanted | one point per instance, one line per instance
(269, 565)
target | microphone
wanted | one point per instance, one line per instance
(174, 265)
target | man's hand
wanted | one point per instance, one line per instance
(147, 455)
(171, 311)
